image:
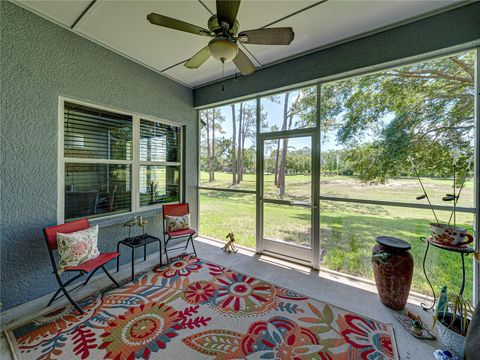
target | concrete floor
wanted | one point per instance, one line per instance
(343, 291)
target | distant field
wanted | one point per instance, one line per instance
(348, 230)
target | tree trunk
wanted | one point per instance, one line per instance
(234, 147)
(209, 149)
(275, 170)
(239, 157)
(240, 175)
(283, 160)
(283, 168)
(283, 164)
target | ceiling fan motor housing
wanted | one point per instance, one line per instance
(214, 26)
(223, 49)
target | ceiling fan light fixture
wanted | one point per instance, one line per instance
(223, 27)
(223, 50)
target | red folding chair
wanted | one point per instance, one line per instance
(177, 210)
(90, 266)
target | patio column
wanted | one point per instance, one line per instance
(476, 264)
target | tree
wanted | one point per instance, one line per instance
(234, 144)
(289, 112)
(211, 120)
(249, 124)
(423, 109)
(299, 110)
(282, 167)
(239, 156)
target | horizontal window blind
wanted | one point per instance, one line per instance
(96, 134)
(159, 184)
(159, 142)
(96, 189)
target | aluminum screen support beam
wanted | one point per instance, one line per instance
(316, 154)
(259, 184)
(476, 264)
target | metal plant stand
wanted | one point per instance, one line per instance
(462, 250)
(134, 242)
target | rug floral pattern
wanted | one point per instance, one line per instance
(192, 309)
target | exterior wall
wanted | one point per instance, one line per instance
(454, 27)
(39, 62)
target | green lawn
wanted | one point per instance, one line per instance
(348, 230)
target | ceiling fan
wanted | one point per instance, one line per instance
(223, 29)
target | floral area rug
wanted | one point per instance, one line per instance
(193, 309)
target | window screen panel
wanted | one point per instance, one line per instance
(159, 184)
(95, 190)
(159, 142)
(96, 134)
(295, 109)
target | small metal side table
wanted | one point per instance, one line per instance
(135, 242)
(462, 250)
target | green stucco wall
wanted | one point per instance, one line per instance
(39, 62)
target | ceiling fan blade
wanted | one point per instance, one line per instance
(243, 63)
(271, 36)
(198, 59)
(227, 11)
(175, 24)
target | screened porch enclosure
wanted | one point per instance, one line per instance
(314, 174)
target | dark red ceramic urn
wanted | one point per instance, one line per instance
(393, 270)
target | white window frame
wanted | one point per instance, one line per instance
(134, 163)
(137, 162)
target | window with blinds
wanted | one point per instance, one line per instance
(159, 163)
(96, 134)
(98, 162)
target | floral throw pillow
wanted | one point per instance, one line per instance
(177, 223)
(77, 247)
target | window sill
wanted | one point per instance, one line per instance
(120, 219)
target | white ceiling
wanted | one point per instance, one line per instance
(122, 27)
